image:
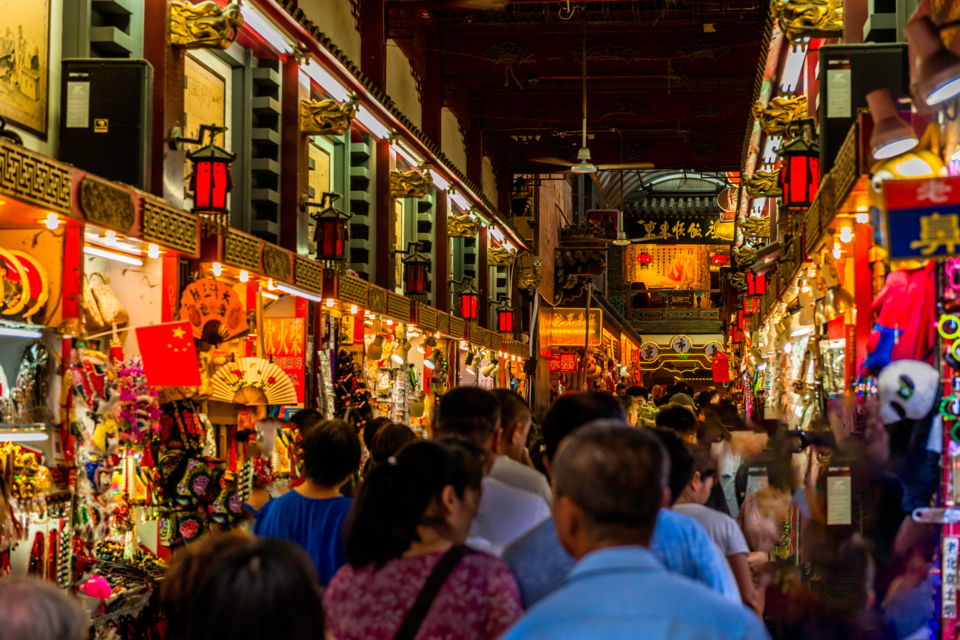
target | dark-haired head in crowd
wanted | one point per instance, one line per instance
(630, 409)
(621, 389)
(370, 430)
(505, 511)
(693, 475)
(306, 419)
(679, 418)
(35, 609)
(512, 465)
(312, 514)
(389, 441)
(187, 573)
(639, 395)
(264, 589)
(409, 513)
(540, 563)
(610, 485)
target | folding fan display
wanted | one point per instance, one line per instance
(252, 381)
(214, 310)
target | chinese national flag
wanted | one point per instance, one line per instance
(169, 355)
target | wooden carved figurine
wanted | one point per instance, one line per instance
(410, 184)
(775, 118)
(327, 117)
(205, 25)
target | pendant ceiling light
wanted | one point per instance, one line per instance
(938, 72)
(891, 136)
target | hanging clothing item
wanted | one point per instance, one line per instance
(906, 318)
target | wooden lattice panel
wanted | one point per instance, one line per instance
(33, 178)
(458, 327)
(170, 228)
(443, 323)
(277, 262)
(378, 299)
(812, 225)
(427, 317)
(846, 167)
(496, 342)
(398, 306)
(308, 273)
(242, 251)
(353, 290)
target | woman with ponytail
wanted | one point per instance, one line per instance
(409, 575)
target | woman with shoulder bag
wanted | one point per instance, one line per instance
(409, 575)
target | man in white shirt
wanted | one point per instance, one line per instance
(701, 470)
(512, 465)
(505, 513)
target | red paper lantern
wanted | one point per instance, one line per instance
(211, 181)
(644, 259)
(719, 259)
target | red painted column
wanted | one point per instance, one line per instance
(373, 59)
(441, 267)
(384, 216)
(483, 278)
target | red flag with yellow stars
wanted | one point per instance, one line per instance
(169, 355)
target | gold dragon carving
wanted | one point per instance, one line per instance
(462, 227)
(745, 255)
(530, 276)
(499, 257)
(410, 184)
(738, 280)
(763, 184)
(776, 116)
(756, 227)
(327, 118)
(205, 25)
(801, 19)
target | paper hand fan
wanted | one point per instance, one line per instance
(214, 310)
(252, 381)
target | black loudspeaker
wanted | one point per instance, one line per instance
(105, 118)
(848, 72)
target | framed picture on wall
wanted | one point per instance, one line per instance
(25, 64)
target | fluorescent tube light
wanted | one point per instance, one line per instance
(408, 155)
(24, 436)
(373, 125)
(110, 255)
(439, 183)
(460, 201)
(497, 234)
(265, 29)
(326, 81)
(19, 333)
(293, 291)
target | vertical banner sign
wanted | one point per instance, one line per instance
(950, 546)
(922, 218)
(284, 340)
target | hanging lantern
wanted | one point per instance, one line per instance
(799, 168)
(719, 259)
(330, 233)
(504, 315)
(468, 298)
(645, 259)
(756, 284)
(210, 181)
(416, 272)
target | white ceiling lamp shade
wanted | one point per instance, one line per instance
(891, 136)
(265, 29)
(938, 68)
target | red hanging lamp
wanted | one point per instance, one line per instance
(504, 315)
(799, 167)
(330, 234)
(416, 272)
(468, 298)
(210, 180)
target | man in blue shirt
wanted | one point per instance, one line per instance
(610, 482)
(312, 514)
(539, 562)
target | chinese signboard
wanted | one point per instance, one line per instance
(684, 266)
(565, 362)
(922, 218)
(283, 340)
(950, 545)
(670, 228)
(569, 328)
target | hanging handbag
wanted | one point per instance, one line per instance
(112, 310)
(414, 618)
(93, 319)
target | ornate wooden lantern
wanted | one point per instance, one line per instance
(468, 298)
(756, 284)
(799, 168)
(210, 180)
(504, 315)
(330, 233)
(416, 272)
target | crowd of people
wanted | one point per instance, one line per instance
(573, 524)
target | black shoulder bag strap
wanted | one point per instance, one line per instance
(411, 623)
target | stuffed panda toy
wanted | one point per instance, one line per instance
(909, 394)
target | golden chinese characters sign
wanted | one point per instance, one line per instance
(568, 327)
(283, 340)
(670, 228)
(678, 266)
